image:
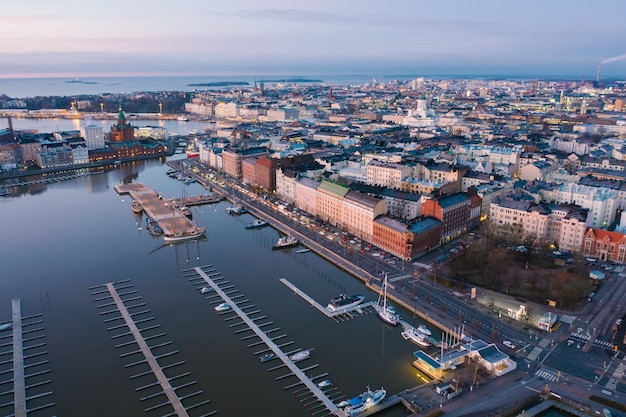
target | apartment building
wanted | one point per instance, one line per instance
(562, 225)
(453, 211)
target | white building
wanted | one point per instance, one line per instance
(93, 135)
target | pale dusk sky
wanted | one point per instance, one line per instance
(72, 38)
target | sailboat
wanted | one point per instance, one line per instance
(386, 312)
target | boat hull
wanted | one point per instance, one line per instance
(183, 236)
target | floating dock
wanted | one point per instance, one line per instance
(269, 342)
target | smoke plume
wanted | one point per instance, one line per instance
(613, 59)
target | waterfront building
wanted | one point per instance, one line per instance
(226, 110)
(31, 147)
(359, 212)
(93, 135)
(306, 195)
(10, 155)
(232, 158)
(54, 155)
(121, 131)
(153, 132)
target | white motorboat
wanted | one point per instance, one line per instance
(364, 401)
(324, 383)
(423, 329)
(386, 312)
(222, 307)
(344, 302)
(205, 290)
(415, 336)
(285, 242)
(5, 326)
(300, 356)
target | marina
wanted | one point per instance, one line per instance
(27, 395)
(244, 312)
(120, 295)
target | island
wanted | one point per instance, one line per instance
(219, 84)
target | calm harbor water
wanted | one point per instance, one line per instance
(174, 127)
(59, 240)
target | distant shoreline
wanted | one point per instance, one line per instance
(230, 83)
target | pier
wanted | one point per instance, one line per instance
(22, 403)
(165, 212)
(117, 294)
(245, 319)
(321, 308)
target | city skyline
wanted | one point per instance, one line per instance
(242, 37)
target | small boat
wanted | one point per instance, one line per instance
(324, 383)
(5, 326)
(257, 224)
(415, 336)
(117, 162)
(136, 206)
(364, 401)
(186, 235)
(344, 302)
(153, 227)
(423, 329)
(305, 250)
(285, 242)
(236, 210)
(189, 180)
(182, 119)
(267, 357)
(205, 290)
(386, 312)
(222, 307)
(300, 356)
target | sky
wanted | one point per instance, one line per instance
(77, 38)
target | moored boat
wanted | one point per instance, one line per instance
(364, 401)
(257, 224)
(5, 326)
(324, 383)
(415, 336)
(222, 307)
(136, 206)
(423, 329)
(285, 242)
(192, 233)
(205, 290)
(236, 210)
(344, 302)
(267, 357)
(386, 312)
(153, 227)
(305, 250)
(300, 356)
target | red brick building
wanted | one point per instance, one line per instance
(605, 245)
(453, 211)
(122, 131)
